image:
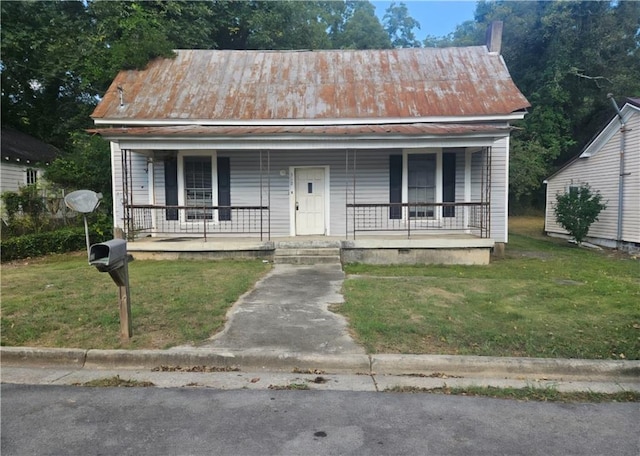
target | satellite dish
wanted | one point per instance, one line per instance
(83, 201)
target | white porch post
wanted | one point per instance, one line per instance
(467, 185)
(152, 191)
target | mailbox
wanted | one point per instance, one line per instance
(108, 256)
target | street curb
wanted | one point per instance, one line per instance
(64, 357)
(490, 366)
(245, 360)
(382, 364)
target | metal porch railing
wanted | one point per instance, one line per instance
(197, 220)
(412, 218)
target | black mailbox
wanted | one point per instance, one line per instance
(108, 256)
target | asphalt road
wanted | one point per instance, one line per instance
(67, 420)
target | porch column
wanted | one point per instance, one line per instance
(467, 185)
(152, 190)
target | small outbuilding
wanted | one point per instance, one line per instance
(24, 159)
(610, 165)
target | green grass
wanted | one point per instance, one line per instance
(525, 394)
(547, 298)
(60, 301)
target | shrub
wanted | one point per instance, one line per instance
(577, 209)
(60, 241)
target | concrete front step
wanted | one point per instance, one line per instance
(299, 259)
(321, 255)
(323, 251)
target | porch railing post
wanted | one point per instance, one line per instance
(409, 220)
(204, 223)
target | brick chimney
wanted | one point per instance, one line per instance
(494, 37)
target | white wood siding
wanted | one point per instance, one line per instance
(139, 180)
(601, 171)
(499, 189)
(12, 176)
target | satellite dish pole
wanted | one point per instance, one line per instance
(85, 202)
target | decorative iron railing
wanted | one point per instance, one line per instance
(472, 218)
(197, 220)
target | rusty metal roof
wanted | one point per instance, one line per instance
(211, 86)
(412, 129)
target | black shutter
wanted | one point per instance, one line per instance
(449, 183)
(171, 187)
(224, 188)
(395, 186)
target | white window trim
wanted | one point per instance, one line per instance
(437, 216)
(292, 198)
(213, 154)
(26, 175)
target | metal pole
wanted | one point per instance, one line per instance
(623, 130)
(86, 235)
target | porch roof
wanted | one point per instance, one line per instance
(368, 130)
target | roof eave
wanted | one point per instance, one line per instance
(500, 117)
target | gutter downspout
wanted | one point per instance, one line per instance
(623, 130)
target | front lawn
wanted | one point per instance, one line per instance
(61, 301)
(547, 298)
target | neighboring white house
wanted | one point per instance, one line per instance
(610, 164)
(23, 159)
(328, 143)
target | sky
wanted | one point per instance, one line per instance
(436, 18)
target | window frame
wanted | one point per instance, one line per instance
(437, 213)
(31, 174)
(182, 190)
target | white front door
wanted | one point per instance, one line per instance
(309, 200)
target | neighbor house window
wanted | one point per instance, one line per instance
(32, 176)
(198, 187)
(421, 186)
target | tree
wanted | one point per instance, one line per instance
(399, 25)
(577, 209)
(362, 29)
(565, 57)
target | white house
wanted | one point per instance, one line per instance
(337, 144)
(23, 159)
(609, 164)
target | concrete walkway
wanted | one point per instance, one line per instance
(287, 311)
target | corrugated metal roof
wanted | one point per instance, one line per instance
(226, 85)
(414, 129)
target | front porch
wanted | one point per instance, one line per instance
(370, 249)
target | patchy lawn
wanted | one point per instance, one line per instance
(547, 298)
(61, 301)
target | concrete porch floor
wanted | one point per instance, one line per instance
(373, 249)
